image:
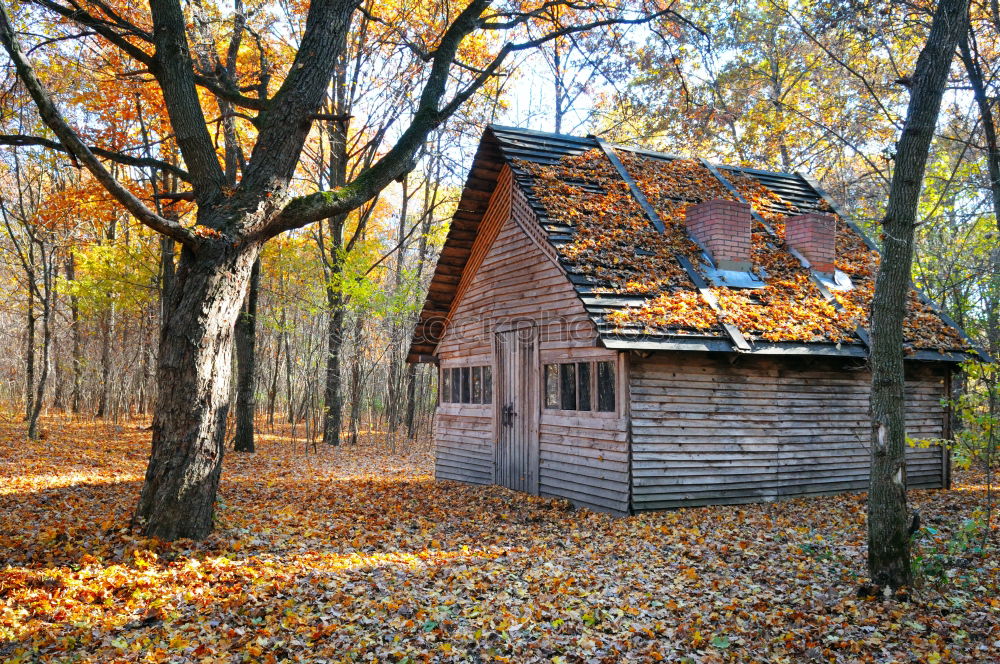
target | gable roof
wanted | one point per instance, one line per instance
(615, 216)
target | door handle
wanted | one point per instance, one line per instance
(507, 418)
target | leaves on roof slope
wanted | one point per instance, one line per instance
(789, 307)
(922, 327)
(614, 243)
(356, 555)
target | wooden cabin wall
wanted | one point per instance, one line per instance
(705, 431)
(513, 277)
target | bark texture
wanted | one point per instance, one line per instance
(189, 426)
(888, 518)
(246, 362)
(197, 332)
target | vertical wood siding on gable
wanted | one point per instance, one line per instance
(512, 276)
(705, 432)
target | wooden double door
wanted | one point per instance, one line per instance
(517, 409)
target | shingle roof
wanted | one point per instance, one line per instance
(615, 216)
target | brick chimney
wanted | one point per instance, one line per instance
(723, 228)
(814, 235)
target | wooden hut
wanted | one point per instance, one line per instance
(636, 331)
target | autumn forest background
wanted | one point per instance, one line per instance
(321, 387)
(820, 90)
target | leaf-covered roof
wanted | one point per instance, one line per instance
(603, 208)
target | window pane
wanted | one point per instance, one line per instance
(487, 385)
(606, 386)
(445, 387)
(567, 386)
(477, 384)
(456, 385)
(466, 385)
(551, 385)
(583, 385)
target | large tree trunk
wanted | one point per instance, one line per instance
(193, 376)
(888, 518)
(246, 361)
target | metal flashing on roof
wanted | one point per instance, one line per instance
(838, 281)
(732, 278)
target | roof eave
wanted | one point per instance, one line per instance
(721, 345)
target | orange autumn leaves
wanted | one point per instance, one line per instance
(357, 555)
(615, 245)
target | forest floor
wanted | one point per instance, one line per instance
(356, 555)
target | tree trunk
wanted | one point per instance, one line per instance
(888, 519)
(29, 356)
(411, 369)
(107, 328)
(246, 361)
(193, 375)
(74, 313)
(356, 379)
(288, 373)
(272, 392)
(168, 273)
(46, 346)
(411, 399)
(59, 390)
(333, 398)
(398, 329)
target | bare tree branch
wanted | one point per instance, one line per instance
(23, 140)
(428, 116)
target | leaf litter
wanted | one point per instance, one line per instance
(356, 554)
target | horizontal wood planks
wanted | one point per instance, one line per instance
(463, 448)
(585, 459)
(705, 431)
(515, 281)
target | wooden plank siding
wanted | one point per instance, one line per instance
(705, 431)
(513, 279)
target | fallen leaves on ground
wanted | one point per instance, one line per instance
(357, 555)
